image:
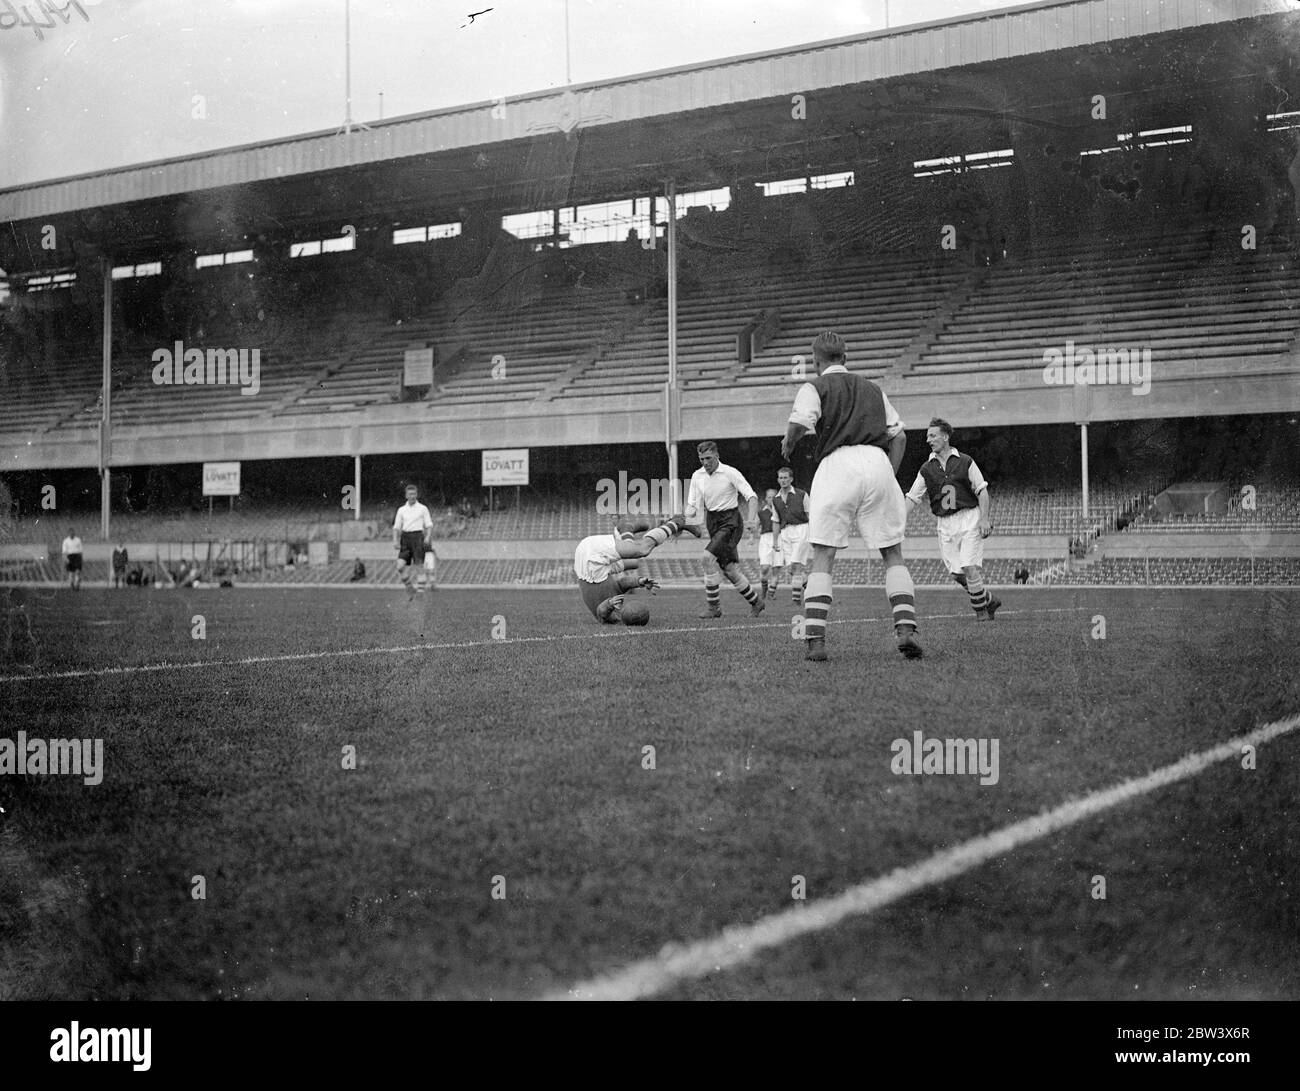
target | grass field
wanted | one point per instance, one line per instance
(522, 758)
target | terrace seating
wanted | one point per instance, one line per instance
(878, 303)
(1189, 294)
(1032, 509)
(1277, 508)
(1190, 571)
(39, 399)
(1181, 295)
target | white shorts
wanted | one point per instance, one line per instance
(795, 544)
(768, 554)
(960, 544)
(856, 485)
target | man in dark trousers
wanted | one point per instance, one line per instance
(119, 565)
(717, 490)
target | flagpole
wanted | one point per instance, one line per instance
(347, 63)
(568, 73)
(348, 125)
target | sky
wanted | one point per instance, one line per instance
(132, 81)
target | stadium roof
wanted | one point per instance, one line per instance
(967, 40)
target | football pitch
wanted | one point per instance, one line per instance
(353, 793)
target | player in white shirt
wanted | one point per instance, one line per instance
(72, 559)
(412, 531)
(606, 564)
(718, 490)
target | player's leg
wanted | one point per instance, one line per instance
(882, 522)
(798, 554)
(835, 496)
(728, 558)
(677, 524)
(902, 600)
(715, 553)
(777, 569)
(765, 552)
(668, 528)
(651, 538)
(978, 589)
(817, 601)
(417, 566)
(747, 590)
(971, 557)
(404, 562)
(950, 552)
(712, 586)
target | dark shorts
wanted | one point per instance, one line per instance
(726, 529)
(411, 551)
(73, 563)
(593, 594)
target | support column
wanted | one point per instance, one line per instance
(1083, 463)
(106, 395)
(356, 487)
(670, 193)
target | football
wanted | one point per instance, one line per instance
(635, 613)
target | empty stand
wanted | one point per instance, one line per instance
(1191, 295)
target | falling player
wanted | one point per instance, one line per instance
(860, 444)
(718, 488)
(792, 509)
(412, 531)
(959, 498)
(769, 551)
(606, 564)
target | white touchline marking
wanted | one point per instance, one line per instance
(153, 668)
(740, 943)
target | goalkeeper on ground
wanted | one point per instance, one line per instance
(606, 564)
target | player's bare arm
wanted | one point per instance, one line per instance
(794, 432)
(986, 523)
(897, 445)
